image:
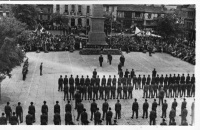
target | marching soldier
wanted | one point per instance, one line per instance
(150, 91)
(180, 89)
(57, 108)
(103, 81)
(114, 81)
(135, 108)
(166, 88)
(93, 108)
(132, 73)
(107, 92)
(166, 80)
(44, 109)
(119, 91)
(125, 88)
(71, 87)
(113, 89)
(148, 80)
(164, 109)
(188, 87)
(100, 60)
(97, 117)
(101, 90)
(154, 105)
(134, 81)
(153, 117)
(92, 81)
(118, 108)
(77, 83)
(57, 119)
(145, 91)
(145, 109)
(105, 107)
(119, 81)
(170, 79)
(95, 92)
(161, 96)
(60, 83)
(143, 81)
(8, 111)
(19, 112)
(171, 86)
(94, 74)
(29, 119)
(124, 81)
(183, 89)
(65, 92)
(68, 107)
(43, 119)
(175, 88)
(89, 92)
(80, 108)
(31, 109)
(130, 90)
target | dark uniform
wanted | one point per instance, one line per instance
(192, 79)
(29, 119)
(161, 80)
(118, 108)
(154, 105)
(56, 108)
(171, 86)
(103, 81)
(43, 119)
(113, 89)
(84, 118)
(94, 73)
(80, 108)
(93, 108)
(100, 60)
(89, 92)
(97, 118)
(98, 81)
(175, 88)
(148, 80)
(130, 90)
(164, 110)
(14, 120)
(184, 86)
(44, 109)
(125, 88)
(19, 113)
(119, 91)
(109, 115)
(183, 79)
(107, 92)
(145, 109)
(71, 87)
(178, 78)
(153, 117)
(3, 120)
(135, 108)
(77, 98)
(95, 92)
(82, 87)
(68, 118)
(154, 73)
(92, 81)
(139, 82)
(60, 83)
(126, 73)
(151, 91)
(122, 60)
(101, 90)
(155, 90)
(77, 83)
(105, 106)
(132, 73)
(143, 81)
(157, 79)
(32, 111)
(57, 119)
(8, 111)
(66, 92)
(145, 91)
(68, 107)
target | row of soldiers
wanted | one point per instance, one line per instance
(95, 113)
(25, 69)
(151, 86)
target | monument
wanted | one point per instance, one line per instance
(96, 34)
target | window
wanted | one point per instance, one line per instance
(113, 9)
(49, 17)
(190, 14)
(88, 22)
(80, 21)
(66, 8)
(49, 10)
(189, 25)
(120, 14)
(72, 22)
(137, 14)
(88, 9)
(1, 13)
(107, 8)
(73, 8)
(58, 8)
(79, 8)
(7, 13)
(149, 16)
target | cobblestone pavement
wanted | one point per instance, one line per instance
(39, 88)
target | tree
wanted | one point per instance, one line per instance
(168, 26)
(10, 54)
(59, 19)
(26, 14)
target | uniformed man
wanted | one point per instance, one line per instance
(161, 96)
(122, 60)
(105, 107)
(60, 83)
(183, 79)
(178, 78)
(97, 117)
(84, 89)
(3, 120)
(65, 82)
(148, 80)
(161, 80)
(124, 81)
(101, 90)
(119, 81)
(107, 91)
(95, 92)
(80, 108)
(71, 87)
(166, 80)
(119, 91)
(14, 120)
(153, 80)
(29, 119)
(172, 115)
(57, 119)
(170, 79)
(125, 88)
(110, 58)
(100, 60)
(157, 79)
(57, 108)
(193, 90)
(119, 67)
(132, 73)
(98, 81)
(68, 118)
(65, 92)
(188, 79)
(77, 98)
(143, 81)
(163, 122)
(109, 81)
(121, 73)
(89, 90)
(103, 81)
(126, 73)
(82, 85)
(68, 107)
(180, 89)
(145, 109)
(174, 104)
(151, 91)
(184, 104)
(113, 89)
(175, 89)
(43, 119)
(114, 81)
(109, 115)
(19, 112)
(164, 109)
(171, 86)
(189, 87)
(77, 83)
(184, 114)
(93, 108)
(118, 108)
(31, 109)
(192, 79)
(135, 108)
(130, 91)
(41, 69)
(154, 105)
(153, 117)
(145, 91)
(154, 72)
(92, 81)
(44, 109)
(155, 90)
(173, 79)
(94, 73)
(173, 122)
(8, 111)
(139, 82)
(84, 117)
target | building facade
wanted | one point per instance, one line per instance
(79, 15)
(45, 12)
(5, 10)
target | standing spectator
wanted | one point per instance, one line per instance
(93, 108)
(153, 117)
(41, 67)
(8, 111)
(97, 117)
(100, 60)
(31, 109)
(109, 115)
(3, 120)
(60, 83)
(19, 112)
(118, 110)
(135, 108)
(105, 106)
(145, 109)
(164, 109)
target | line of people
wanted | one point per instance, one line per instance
(107, 113)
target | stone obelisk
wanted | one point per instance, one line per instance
(96, 34)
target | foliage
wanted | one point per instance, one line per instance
(168, 27)
(26, 14)
(59, 19)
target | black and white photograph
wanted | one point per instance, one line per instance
(97, 64)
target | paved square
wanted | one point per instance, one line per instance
(38, 88)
